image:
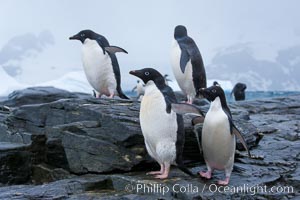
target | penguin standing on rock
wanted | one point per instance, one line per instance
(187, 64)
(100, 64)
(218, 140)
(162, 128)
(218, 133)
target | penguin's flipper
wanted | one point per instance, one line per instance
(193, 54)
(183, 108)
(236, 132)
(184, 59)
(122, 95)
(115, 49)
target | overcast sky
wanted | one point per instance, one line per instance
(145, 28)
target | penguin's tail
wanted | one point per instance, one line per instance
(185, 170)
(123, 96)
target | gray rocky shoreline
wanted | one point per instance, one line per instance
(60, 145)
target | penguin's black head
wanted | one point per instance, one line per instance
(212, 93)
(216, 83)
(241, 87)
(148, 74)
(84, 34)
(180, 31)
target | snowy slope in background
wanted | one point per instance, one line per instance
(245, 63)
(72, 81)
(9, 84)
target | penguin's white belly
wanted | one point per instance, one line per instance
(217, 142)
(98, 68)
(184, 80)
(159, 128)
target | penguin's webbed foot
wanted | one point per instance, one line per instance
(111, 95)
(206, 175)
(162, 176)
(224, 182)
(161, 171)
(165, 169)
(154, 173)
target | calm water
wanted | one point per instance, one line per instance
(252, 95)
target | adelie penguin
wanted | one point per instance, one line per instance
(139, 88)
(218, 133)
(100, 63)
(162, 128)
(187, 64)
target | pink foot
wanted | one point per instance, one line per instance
(165, 174)
(154, 173)
(206, 175)
(224, 182)
(161, 171)
(162, 176)
(111, 96)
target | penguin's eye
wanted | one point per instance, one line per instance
(82, 35)
(147, 73)
(214, 90)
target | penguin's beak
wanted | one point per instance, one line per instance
(134, 73)
(74, 37)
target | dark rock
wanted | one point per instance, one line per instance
(98, 135)
(42, 173)
(56, 155)
(56, 190)
(15, 163)
(93, 135)
(35, 95)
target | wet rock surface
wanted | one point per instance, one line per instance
(60, 145)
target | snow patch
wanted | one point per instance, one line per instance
(9, 84)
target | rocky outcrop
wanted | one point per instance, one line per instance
(81, 147)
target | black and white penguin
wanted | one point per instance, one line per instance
(139, 88)
(218, 140)
(100, 64)
(187, 64)
(239, 91)
(162, 128)
(215, 83)
(218, 133)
